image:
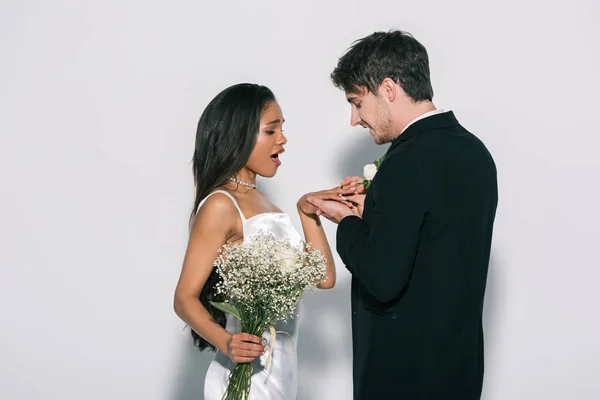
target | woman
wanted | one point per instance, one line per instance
(240, 136)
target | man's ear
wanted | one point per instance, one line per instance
(389, 89)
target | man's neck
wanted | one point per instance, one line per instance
(418, 109)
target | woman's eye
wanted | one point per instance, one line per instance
(270, 132)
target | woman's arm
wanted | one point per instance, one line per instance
(313, 229)
(214, 225)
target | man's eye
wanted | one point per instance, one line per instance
(357, 105)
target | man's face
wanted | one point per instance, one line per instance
(371, 111)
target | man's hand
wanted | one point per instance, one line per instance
(333, 210)
(358, 198)
(354, 182)
(358, 203)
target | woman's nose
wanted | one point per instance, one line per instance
(282, 139)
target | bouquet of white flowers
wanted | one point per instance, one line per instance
(263, 281)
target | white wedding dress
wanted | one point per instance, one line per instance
(280, 380)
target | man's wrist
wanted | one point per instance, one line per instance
(346, 215)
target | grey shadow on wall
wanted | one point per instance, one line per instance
(188, 380)
(334, 305)
(361, 152)
(491, 317)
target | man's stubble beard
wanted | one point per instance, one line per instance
(385, 127)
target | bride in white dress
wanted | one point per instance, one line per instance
(240, 136)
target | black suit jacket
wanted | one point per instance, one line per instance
(419, 260)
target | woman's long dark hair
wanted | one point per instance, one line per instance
(225, 138)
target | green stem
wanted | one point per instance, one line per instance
(240, 377)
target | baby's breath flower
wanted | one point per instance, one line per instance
(263, 281)
(268, 275)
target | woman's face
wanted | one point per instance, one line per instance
(264, 159)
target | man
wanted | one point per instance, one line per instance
(418, 244)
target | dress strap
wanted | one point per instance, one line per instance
(228, 195)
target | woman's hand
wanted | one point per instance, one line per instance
(244, 348)
(336, 193)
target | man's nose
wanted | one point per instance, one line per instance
(355, 118)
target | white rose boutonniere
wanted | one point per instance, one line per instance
(370, 170)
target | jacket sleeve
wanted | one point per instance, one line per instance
(380, 251)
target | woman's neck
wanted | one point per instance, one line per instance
(245, 175)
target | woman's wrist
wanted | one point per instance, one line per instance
(224, 345)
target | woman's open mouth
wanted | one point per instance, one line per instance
(275, 159)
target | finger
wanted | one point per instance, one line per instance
(357, 187)
(324, 205)
(340, 199)
(346, 181)
(246, 337)
(248, 346)
(340, 189)
(343, 201)
(350, 180)
(246, 353)
(333, 195)
(335, 191)
(358, 199)
(242, 360)
(344, 191)
(315, 201)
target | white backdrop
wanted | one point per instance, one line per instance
(98, 106)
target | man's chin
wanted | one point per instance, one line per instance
(375, 138)
(381, 140)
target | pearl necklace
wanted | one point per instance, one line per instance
(251, 185)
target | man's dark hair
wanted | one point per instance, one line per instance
(395, 54)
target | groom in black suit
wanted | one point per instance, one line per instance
(418, 244)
